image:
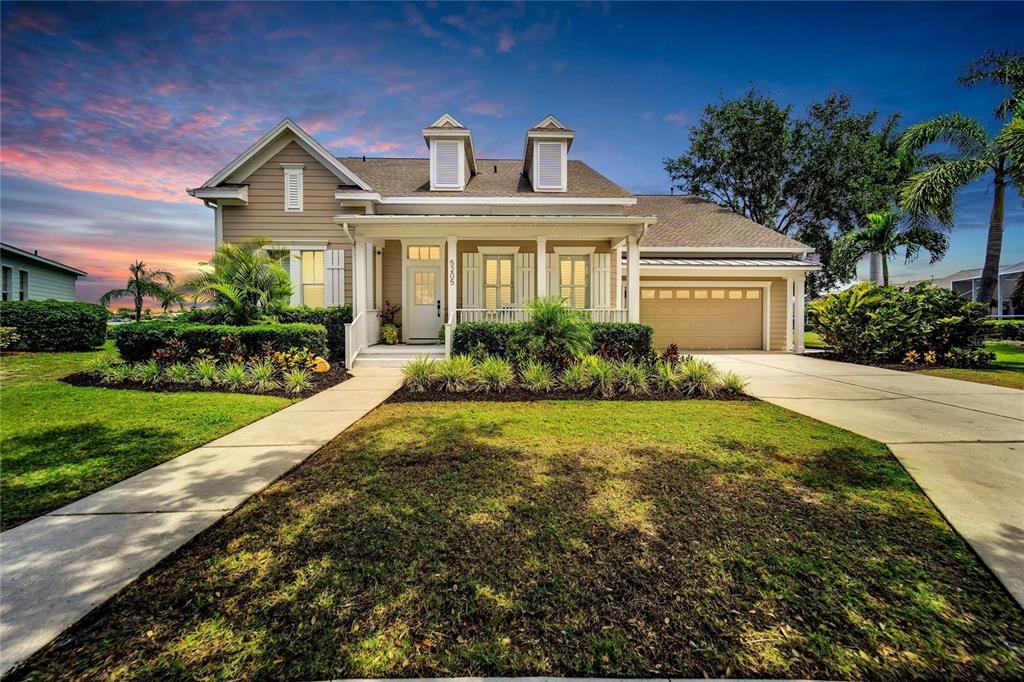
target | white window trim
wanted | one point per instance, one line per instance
(461, 184)
(588, 285)
(536, 166)
(498, 286)
(573, 250)
(293, 170)
(498, 250)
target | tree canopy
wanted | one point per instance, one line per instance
(811, 177)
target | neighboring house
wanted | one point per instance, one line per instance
(27, 276)
(452, 238)
(966, 284)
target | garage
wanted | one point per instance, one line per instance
(705, 317)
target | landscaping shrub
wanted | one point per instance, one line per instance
(666, 375)
(419, 373)
(9, 338)
(555, 333)
(141, 340)
(537, 377)
(733, 382)
(296, 380)
(481, 339)
(623, 341)
(496, 374)
(699, 378)
(56, 325)
(457, 374)
(631, 378)
(869, 322)
(333, 320)
(1007, 330)
(576, 378)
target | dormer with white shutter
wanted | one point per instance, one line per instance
(545, 157)
(452, 160)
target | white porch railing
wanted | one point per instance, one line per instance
(362, 331)
(509, 315)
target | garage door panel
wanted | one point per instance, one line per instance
(719, 318)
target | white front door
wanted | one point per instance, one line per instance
(423, 315)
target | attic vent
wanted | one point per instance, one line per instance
(292, 187)
(447, 164)
(549, 166)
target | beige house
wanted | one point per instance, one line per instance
(452, 238)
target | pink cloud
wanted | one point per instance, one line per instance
(506, 41)
(486, 109)
(165, 89)
(35, 18)
(52, 112)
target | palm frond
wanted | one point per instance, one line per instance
(114, 294)
(933, 192)
(967, 135)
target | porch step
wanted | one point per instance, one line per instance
(382, 355)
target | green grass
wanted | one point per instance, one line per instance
(1007, 370)
(61, 442)
(617, 539)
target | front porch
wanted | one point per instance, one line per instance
(438, 282)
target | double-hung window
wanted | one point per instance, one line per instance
(313, 278)
(7, 283)
(498, 291)
(23, 286)
(574, 274)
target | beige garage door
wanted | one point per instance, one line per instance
(710, 318)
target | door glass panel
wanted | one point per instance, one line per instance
(424, 294)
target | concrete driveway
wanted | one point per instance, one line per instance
(962, 442)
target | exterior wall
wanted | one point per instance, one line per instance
(43, 282)
(776, 302)
(391, 274)
(264, 216)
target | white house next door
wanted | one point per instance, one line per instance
(423, 314)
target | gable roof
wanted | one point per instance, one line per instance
(691, 222)
(304, 140)
(411, 178)
(42, 261)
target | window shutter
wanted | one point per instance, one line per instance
(334, 277)
(293, 189)
(294, 269)
(446, 163)
(472, 280)
(553, 278)
(524, 277)
(600, 280)
(549, 165)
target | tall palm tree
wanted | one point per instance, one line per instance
(932, 192)
(172, 296)
(142, 282)
(245, 281)
(885, 235)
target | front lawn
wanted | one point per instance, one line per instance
(61, 442)
(618, 539)
(1007, 370)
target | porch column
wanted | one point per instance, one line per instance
(452, 277)
(359, 276)
(633, 277)
(799, 312)
(371, 275)
(542, 266)
(617, 255)
(790, 294)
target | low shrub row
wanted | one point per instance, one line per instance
(140, 341)
(609, 340)
(888, 325)
(1007, 330)
(55, 325)
(333, 319)
(589, 375)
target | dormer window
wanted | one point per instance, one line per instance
(545, 158)
(292, 187)
(452, 161)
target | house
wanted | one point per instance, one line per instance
(453, 238)
(27, 276)
(966, 284)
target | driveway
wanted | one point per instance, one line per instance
(962, 442)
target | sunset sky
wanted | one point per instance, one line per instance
(111, 111)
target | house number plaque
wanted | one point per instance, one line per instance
(451, 272)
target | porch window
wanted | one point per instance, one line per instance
(424, 253)
(497, 282)
(575, 280)
(7, 283)
(313, 278)
(23, 286)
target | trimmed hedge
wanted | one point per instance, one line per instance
(1008, 330)
(333, 319)
(612, 340)
(140, 340)
(56, 325)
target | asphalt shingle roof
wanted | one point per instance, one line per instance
(411, 177)
(691, 222)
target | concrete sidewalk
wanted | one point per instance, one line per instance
(58, 567)
(963, 442)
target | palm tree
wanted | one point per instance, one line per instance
(142, 282)
(172, 296)
(932, 192)
(246, 281)
(884, 235)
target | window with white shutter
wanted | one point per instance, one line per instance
(292, 188)
(550, 171)
(447, 165)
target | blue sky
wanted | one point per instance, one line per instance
(110, 111)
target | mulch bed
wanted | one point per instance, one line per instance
(519, 395)
(318, 382)
(829, 355)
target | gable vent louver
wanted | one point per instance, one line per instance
(446, 163)
(549, 165)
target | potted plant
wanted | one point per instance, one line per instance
(388, 324)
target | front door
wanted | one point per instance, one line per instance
(424, 315)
